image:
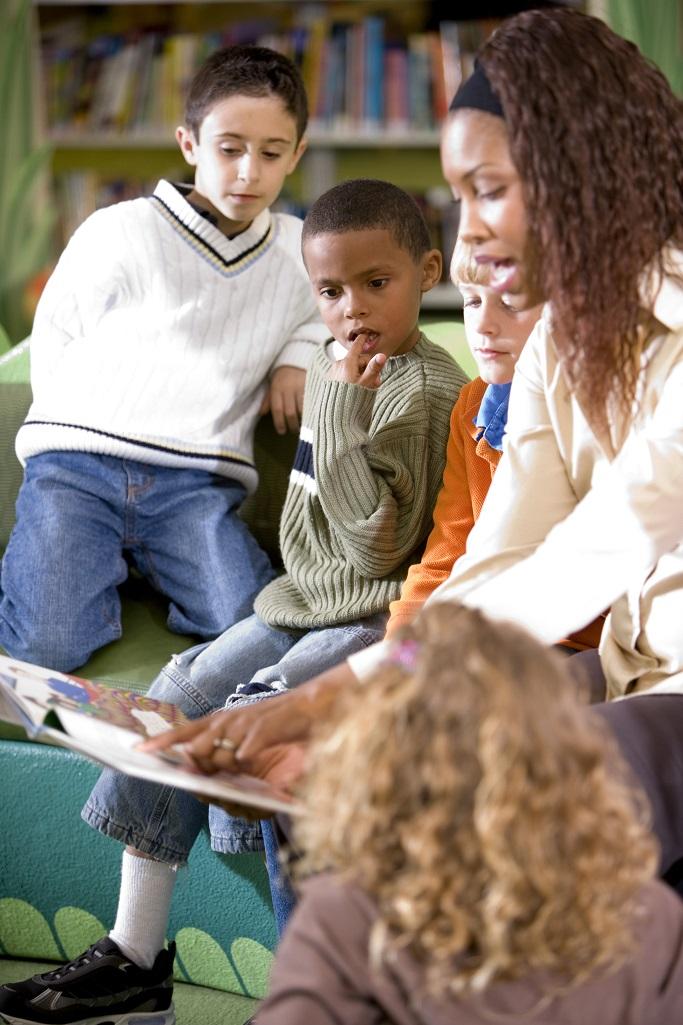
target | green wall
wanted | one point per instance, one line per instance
(656, 26)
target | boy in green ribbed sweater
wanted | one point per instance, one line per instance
(367, 471)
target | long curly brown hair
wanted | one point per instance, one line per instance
(486, 811)
(596, 134)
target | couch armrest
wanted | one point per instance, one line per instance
(15, 398)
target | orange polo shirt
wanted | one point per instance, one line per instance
(470, 465)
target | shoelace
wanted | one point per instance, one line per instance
(56, 974)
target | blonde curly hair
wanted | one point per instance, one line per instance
(489, 815)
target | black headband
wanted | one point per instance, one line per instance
(476, 92)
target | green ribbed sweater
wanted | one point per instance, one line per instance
(366, 474)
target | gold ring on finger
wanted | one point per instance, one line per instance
(224, 743)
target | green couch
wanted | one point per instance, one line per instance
(59, 878)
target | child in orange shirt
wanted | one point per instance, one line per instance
(496, 333)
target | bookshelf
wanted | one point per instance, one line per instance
(378, 73)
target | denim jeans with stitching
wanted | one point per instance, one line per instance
(165, 822)
(77, 513)
(281, 890)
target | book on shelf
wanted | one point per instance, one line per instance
(440, 95)
(313, 66)
(80, 193)
(361, 75)
(396, 88)
(373, 101)
(420, 84)
(105, 725)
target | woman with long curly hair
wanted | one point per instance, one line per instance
(492, 862)
(565, 152)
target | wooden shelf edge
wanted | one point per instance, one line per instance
(423, 139)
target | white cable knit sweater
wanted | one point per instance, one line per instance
(155, 336)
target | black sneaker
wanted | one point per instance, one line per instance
(101, 987)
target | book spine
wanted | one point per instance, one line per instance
(354, 77)
(340, 118)
(449, 33)
(359, 91)
(105, 84)
(312, 66)
(420, 82)
(374, 73)
(440, 100)
(396, 88)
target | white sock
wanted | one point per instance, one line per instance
(144, 905)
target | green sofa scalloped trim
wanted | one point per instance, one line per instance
(200, 959)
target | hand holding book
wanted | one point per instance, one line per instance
(266, 739)
(108, 726)
(206, 746)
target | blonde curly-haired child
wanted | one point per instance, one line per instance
(491, 859)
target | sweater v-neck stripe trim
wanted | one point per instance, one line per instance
(228, 268)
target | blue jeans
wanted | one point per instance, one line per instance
(77, 513)
(165, 822)
(281, 891)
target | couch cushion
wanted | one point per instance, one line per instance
(58, 887)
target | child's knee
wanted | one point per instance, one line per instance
(176, 683)
(51, 648)
(55, 654)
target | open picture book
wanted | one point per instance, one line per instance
(106, 725)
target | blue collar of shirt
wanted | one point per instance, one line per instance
(492, 415)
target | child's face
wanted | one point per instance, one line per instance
(476, 163)
(246, 148)
(365, 283)
(496, 331)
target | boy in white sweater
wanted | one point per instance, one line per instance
(168, 324)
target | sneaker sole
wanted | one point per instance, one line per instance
(131, 1018)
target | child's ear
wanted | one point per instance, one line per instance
(432, 265)
(297, 154)
(187, 143)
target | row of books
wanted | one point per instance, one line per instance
(360, 76)
(79, 193)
